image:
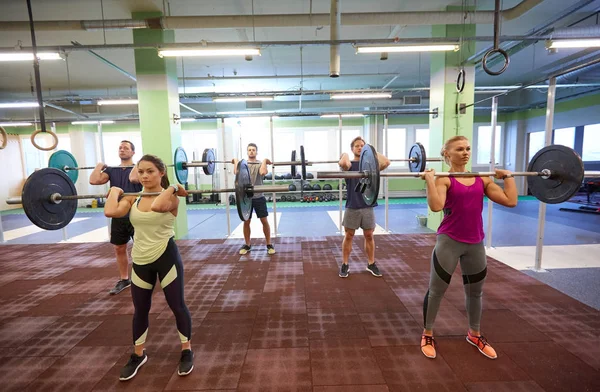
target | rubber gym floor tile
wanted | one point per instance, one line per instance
(162, 336)
(276, 370)
(215, 270)
(56, 340)
(410, 296)
(280, 331)
(506, 327)
(237, 301)
(16, 331)
(344, 362)
(18, 372)
(282, 303)
(16, 287)
(246, 280)
(93, 286)
(58, 305)
(376, 301)
(504, 386)
(159, 303)
(449, 320)
(335, 323)
(548, 318)
(229, 327)
(113, 331)
(153, 376)
(87, 273)
(352, 388)
(553, 367)
(216, 366)
(283, 283)
(583, 344)
(321, 298)
(79, 370)
(405, 368)
(103, 305)
(391, 329)
(470, 365)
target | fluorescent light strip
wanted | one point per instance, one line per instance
(406, 48)
(187, 119)
(209, 52)
(14, 105)
(118, 102)
(92, 122)
(574, 43)
(242, 99)
(361, 96)
(15, 124)
(343, 115)
(28, 56)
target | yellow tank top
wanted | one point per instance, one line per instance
(152, 231)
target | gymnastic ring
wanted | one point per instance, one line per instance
(485, 59)
(4, 140)
(52, 147)
(460, 80)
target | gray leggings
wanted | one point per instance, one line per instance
(473, 265)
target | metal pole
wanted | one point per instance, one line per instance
(492, 166)
(542, 212)
(273, 177)
(386, 183)
(340, 125)
(1, 231)
(101, 143)
(226, 178)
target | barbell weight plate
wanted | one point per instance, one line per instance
(38, 188)
(179, 160)
(369, 163)
(62, 158)
(293, 166)
(417, 152)
(242, 182)
(567, 174)
(208, 156)
(303, 162)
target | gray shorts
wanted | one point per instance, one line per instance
(359, 217)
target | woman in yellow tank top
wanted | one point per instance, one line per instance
(154, 254)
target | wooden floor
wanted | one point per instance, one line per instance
(286, 323)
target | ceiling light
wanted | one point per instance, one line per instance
(13, 105)
(187, 119)
(361, 96)
(118, 102)
(343, 115)
(92, 122)
(247, 113)
(573, 43)
(407, 48)
(242, 99)
(209, 52)
(28, 56)
(15, 124)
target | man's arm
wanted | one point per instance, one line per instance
(98, 177)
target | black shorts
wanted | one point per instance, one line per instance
(121, 231)
(260, 207)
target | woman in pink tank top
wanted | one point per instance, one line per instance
(460, 238)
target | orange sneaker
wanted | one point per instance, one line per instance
(482, 345)
(428, 346)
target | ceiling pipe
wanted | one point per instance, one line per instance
(276, 20)
(334, 31)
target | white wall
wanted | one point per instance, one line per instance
(13, 176)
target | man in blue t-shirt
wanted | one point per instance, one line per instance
(121, 230)
(358, 213)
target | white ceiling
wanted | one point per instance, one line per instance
(89, 77)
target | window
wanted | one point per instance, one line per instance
(111, 142)
(565, 137)
(347, 136)
(253, 130)
(484, 144)
(195, 142)
(319, 146)
(536, 143)
(36, 159)
(285, 142)
(396, 146)
(591, 143)
(422, 136)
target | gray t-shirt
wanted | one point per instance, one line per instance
(255, 177)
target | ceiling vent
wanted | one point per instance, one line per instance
(412, 100)
(89, 109)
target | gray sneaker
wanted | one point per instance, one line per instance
(120, 286)
(372, 268)
(130, 370)
(344, 270)
(186, 363)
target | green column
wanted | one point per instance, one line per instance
(444, 97)
(157, 89)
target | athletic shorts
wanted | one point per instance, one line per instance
(121, 231)
(359, 217)
(259, 206)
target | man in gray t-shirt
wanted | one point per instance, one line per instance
(258, 170)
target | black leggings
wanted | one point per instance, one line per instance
(169, 269)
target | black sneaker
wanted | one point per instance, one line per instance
(130, 370)
(270, 249)
(120, 286)
(245, 249)
(372, 268)
(344, 271)
(186, 363)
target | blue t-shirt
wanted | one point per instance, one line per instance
(354, 198)
(119, 177)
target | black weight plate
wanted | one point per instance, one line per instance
(208, 156)
(567, 174)
(36, 199)
(61, 159)
(181, 171)
(369, 163)
(242, 182)
(294, 171)
(417, 152)
(303, 164)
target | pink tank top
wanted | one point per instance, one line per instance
(462, 212)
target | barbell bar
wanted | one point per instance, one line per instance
(49, 197)
(555, 174)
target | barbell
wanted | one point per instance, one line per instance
(49, 197)
(554, 175)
